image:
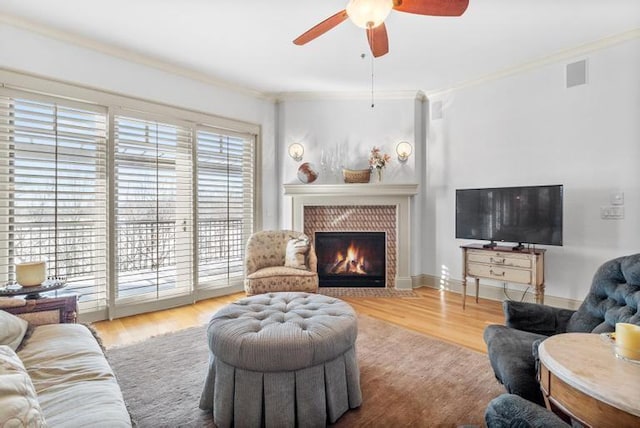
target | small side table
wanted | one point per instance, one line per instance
(580, 377)
(504, 264)
(46, 310)
(50, 284)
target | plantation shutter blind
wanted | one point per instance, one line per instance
(225, 204)
(153, 200)
(53, 191)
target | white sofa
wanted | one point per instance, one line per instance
(73, 382)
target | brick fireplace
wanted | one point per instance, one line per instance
(360, 208)
(356, 218)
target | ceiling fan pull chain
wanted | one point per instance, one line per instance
(372, 100)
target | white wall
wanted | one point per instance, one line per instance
(519, 130)
(27, 51)
(348, 129)
(528, 129)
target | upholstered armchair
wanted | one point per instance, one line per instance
(614, 297)
(269, 267)
(509, 411)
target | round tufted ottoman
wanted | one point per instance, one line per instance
(282, 359)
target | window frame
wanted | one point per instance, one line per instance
(114, 104)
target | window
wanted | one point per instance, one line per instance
(140, 206)
(152, 208)
(53, 191)
(225, 204)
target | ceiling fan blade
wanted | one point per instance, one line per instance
(321, 28)
(378, 40)
(432, 7)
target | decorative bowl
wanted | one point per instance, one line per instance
(31, 274)
(356, 175)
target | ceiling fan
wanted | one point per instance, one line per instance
(370, 15)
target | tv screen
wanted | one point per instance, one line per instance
(530, 214)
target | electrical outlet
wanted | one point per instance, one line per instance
(612, 212)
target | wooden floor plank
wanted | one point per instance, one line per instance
(437, 313)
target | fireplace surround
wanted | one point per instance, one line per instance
(359, 207)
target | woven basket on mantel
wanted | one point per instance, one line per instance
(356, 175)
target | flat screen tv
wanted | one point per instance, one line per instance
(531, 214)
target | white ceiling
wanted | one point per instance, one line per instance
(249, 43)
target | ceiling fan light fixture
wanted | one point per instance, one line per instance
(369, 13)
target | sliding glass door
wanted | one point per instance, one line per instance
(137, 211)
(152, 209)
(225, 204)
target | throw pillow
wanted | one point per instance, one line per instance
(12, 330)
(297, 249)
(18, 398)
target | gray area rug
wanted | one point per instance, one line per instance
(407, 379)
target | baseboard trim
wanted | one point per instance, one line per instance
(404, 283)
(488, 291)
(208, 293)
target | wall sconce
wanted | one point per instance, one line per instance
(404, 150)
(296, 151)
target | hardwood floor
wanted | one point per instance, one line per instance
(434, 312)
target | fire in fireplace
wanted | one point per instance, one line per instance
(351, 259)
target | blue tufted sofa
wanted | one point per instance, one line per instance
(614, 297)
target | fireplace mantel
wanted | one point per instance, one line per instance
(369, 189)
(397, 195)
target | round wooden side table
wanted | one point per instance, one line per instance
(581, 377)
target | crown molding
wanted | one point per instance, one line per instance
(210, 79)
(421, 96)
(559, 56)
(129, 55)
(348, 95)
(136, 57)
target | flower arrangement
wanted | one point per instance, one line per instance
(377, 159)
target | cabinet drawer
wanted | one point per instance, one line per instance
(497, 258)
(500, 273)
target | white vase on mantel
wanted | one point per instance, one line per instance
(378, 174)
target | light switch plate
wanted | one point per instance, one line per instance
(612, 212)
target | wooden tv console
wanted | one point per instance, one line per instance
(503, 264)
